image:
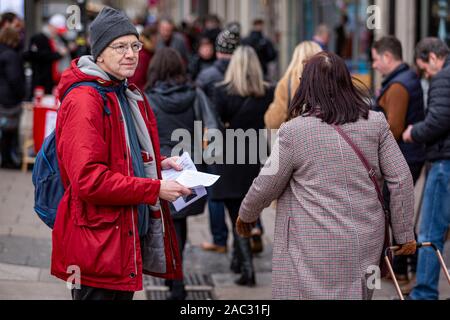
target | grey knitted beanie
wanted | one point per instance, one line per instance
(109, 25)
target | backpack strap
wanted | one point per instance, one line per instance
(101, 89)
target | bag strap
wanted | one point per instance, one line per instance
(366, 164)
(102, 90)
(198, 113)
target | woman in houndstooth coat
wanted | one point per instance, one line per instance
(329, 226)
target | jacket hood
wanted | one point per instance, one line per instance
(172, 98)
(85, 69)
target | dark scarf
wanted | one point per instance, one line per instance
(135, 150)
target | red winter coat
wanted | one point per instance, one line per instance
(96, 225)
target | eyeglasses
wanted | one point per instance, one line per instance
(122, 48)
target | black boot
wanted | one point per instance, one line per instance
(177, 290)
(235, 265)
(10, 159)
(247, 271)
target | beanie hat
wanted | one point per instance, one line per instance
(228, 40)
(109, 25)
(58, 21)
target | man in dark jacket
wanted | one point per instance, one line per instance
(401, 100)
(262, 45)
(432, 57)
(227, 41)
(168, 37)
(48, 54)
(203, 58)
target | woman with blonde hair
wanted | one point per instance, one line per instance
(241, 101)
(278, 110)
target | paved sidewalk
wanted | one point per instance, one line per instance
(25, 248)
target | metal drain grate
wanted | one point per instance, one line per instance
(198, 287)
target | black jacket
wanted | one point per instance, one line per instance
(41, 56)
(197, 65)
(209, 77)
(173, 106)
(414, 152)
(434, 131)
(239, 113)
(12, 77)
(263, 47)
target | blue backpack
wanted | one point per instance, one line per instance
(48, 188)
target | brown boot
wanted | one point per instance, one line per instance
(214, 247)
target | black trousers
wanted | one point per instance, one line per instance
(176, 287)
(90, 293)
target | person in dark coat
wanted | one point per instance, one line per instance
(172, 99)
(204, 58)
(241, 101)
(12, 91)
(48, 54)
(227, 41)
(433, 58)
(263, 46)
(212, 27)
(168, 37)
(401, 100)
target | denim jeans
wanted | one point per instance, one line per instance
(217, 222)
(435, 219)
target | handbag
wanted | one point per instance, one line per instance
(387, 216)
(205, 111)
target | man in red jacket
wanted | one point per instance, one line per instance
(113, 223)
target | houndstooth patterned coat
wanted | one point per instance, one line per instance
(329, 224)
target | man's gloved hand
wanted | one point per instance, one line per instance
(406, 249)
(244, 229)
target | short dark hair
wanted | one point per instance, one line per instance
(389, 44)
(166, 65)
(258, 22)
(149, 32)
(328, 92)
(213, 18)
(7, 17)
(431, 45)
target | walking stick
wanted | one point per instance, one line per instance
(419, 245)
